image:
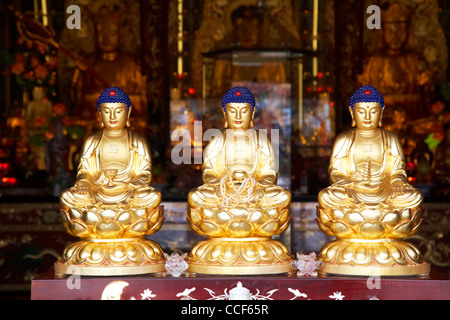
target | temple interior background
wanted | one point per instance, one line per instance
(301, 58)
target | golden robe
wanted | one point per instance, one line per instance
(257, 157)
(137, 175)
(343, 173)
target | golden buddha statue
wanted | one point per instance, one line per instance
(239, 207)
(370, 207)
(112, 207)
(394, 69)
(112, 64)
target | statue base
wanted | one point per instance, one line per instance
(240, 256)
(363, 257)
(111, 257)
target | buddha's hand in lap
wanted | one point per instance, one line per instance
(399, 187)
(117, 187)
(81, 187)
(365, 187)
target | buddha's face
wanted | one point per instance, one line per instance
(367, 115)
(395, 35)
(114, 115)
(238, 115)
(108, 37)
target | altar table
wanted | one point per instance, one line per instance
(274, 287)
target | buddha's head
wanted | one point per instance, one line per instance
(366, 108)
(238, 106)
(114, 107)
(107, 22)
(395, 27)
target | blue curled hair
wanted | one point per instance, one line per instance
(366, 94)
(238, 95)
(119, 97)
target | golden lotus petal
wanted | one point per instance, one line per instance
(397, 255)
(84, 252)
(108, 229)
(222, 218)
(211, 229)
(239, 228)
(354, 218)
(194, 215)
(249, 251)
(283, 227)
(391, 219)
(216, 251)
(141, 213)
(361, 255)
(382, 255)
(371, 215)
(195, 228)
(118, 253)
(134, 252)
(338, 215)
(341, 229)
(108, 214)
(91, 218)
(323, 216)
(324, 228)
(372, 230)
(97, 255)
(406, 214)
(264, 252)
(239, 212)
(126, 218)
(79, 229)
(155, 214)
(258, 217)
(269, 228)
(154, 228)
(284, 214)
(346, 253)
(402, 230)
(207, 213)
(75, 214)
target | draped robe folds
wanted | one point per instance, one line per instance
(263, 168)
(343, 173)
(137, 175)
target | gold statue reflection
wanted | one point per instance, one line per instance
(112, 64)
(395, 70)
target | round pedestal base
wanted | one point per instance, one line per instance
(375, 270)
(125, 270)
(383, 257)
(240, 256)
(111, 257)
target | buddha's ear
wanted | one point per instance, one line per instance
(225, 117)
(253, 117)
(380, 123)
(351, 113)
(99, 114)
(128, 118)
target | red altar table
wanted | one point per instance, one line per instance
(280, 287)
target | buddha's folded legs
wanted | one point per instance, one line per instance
(333, 198)
(71, 199)
(412, 198)
(147, 197)
(275, 197)
(204, 196)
